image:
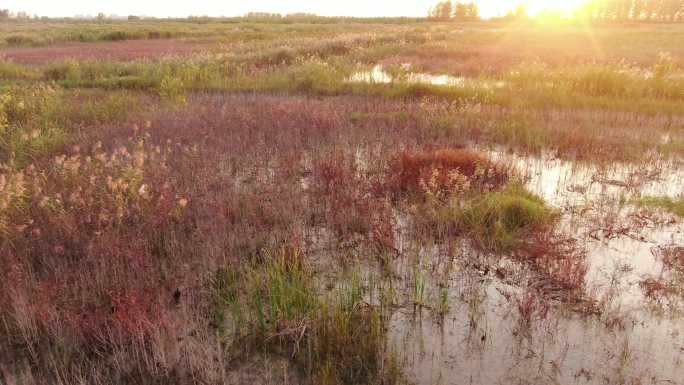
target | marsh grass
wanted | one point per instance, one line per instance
(188, 212)
(443, 171)
(335, 337)
(500, 220)
(675, 206)
(29, 124)
(496, 220)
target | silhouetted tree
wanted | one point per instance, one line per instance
(601, 10)
(622, 10)
(443, 10)
(458, 10)
(472, 11)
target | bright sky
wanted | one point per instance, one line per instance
(176, 8)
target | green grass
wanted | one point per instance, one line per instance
(500, 219)
(675, 206)
(279, 57)
(496, 221)
(274, 305)
(29, 123)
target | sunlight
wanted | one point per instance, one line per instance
(565, 7)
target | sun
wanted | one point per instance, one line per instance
(565, 7)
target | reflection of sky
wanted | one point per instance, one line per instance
(379, 75)
(558, 182)
(479, 344)
(553, 179)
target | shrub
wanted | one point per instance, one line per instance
(443, 171)
(121, 35)
(173, 89)
(494, 220)
(11, 70)
(601, 81)
(499, 220)
(19, 40)
(63, 71)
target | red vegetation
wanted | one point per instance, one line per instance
(656, 288)
(121, 51)
(559, 259)
(350, 208)
(443, 169)
(671, 256)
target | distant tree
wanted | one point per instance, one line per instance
(521, 12)
(263, 15)
(672, 9)
(443, 10)
(623, 10)
(638, 8)
(600, 10)
(472, 11)
(301, 15)
(460, 10)
(4, 14)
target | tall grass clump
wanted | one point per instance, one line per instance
(500, 219)
(675, 206)
(81, 235)
(593, 84)
(272, 304)
(443, 171)
(29, 123)
(461, 192)
(13, 71)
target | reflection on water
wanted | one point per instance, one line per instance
(596, 205)
(481, 340)
(380, 75)
(468, 326)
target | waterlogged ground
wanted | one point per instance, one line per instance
(341, 204)
(630, 338)
(405, 73)
(463, 316)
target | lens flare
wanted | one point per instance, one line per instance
(566, 7)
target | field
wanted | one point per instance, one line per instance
(341, 201)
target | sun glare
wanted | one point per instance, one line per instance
(565, 7)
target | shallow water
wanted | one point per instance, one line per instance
(379, 75)
(598, 209)
(484, 340)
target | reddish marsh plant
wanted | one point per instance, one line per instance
(444, 170)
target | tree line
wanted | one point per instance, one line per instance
(455, 10)
(597, 10)
(625, 10)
